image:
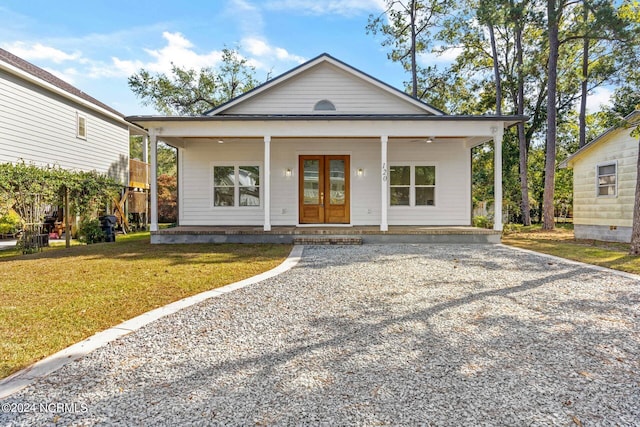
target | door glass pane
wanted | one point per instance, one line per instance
(400, 175)
(311, 184)
(425, 196)
(336, 182)
(425, 175)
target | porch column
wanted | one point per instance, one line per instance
(154, 180)
(384, 188)
(145, 148)
(498, 133)
(266, 185)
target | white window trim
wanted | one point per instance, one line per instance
(606, 196)
(236, 187)
(80, 116)
(412, 186)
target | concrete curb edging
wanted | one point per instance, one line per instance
(44, 367)
(570, 261)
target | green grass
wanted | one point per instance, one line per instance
(561, 242)
(58, 297)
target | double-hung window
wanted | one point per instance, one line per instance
(81, 126)
(607, 176)
(236, 186)
(412, 185)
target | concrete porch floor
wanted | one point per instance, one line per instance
(287, 234)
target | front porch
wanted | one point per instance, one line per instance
(325, 235)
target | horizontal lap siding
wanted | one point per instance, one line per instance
(196, 194)
(40, 127)
(453, 178)
(607, 211)
(349, 94)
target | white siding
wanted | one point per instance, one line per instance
(349, 94)
(196, 193)
(607, 211)
(453, 180)
(40, 127)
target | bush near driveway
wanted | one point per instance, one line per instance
(56, 298)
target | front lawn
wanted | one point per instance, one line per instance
(561, 242)
(58, 297)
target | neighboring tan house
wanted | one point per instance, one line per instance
(604, 184)
(46, 121)
(325, 144)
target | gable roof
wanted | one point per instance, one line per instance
(323, 58)
(633, 119)
(17, 63)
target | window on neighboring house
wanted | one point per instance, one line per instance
(81, 126)
(236, 185)
(412, 185)
(607, 179)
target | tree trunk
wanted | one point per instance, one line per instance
(522, 137)
(414, 67)
(635, 233)
(585, 75)
(553, 16)
(496, 70)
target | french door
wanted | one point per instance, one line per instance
(324, 190)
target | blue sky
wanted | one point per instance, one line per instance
(96, 45)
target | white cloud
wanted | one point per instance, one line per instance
(600, 97)
(248, 17)
(178, 50)
(436, 58)
(328, 7)
(38, 51)
(263, 52)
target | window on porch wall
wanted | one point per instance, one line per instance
(236, 185)
(412, 185)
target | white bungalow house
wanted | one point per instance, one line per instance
(46, 121)
(604, 184)
(325, 144)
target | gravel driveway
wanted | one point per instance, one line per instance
(370, 335)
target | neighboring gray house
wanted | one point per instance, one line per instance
(604, 184)
(46, 121)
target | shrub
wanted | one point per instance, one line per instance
(482, 222)
(90, 232)
(512, 228)
(10, 223)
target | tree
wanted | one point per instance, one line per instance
(192, 92)
(407, 27)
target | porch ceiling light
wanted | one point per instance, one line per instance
(429, 139)
(220, 141)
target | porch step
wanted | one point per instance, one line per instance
(327, 240)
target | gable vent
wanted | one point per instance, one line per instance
(324, 105)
